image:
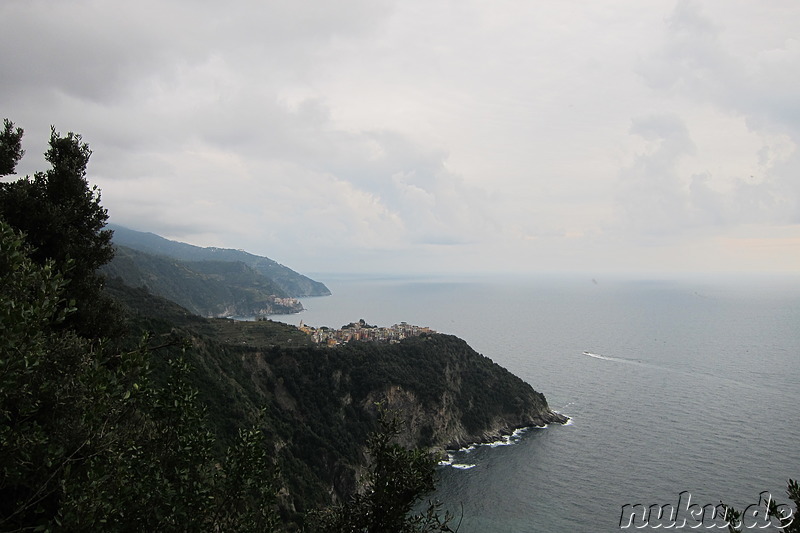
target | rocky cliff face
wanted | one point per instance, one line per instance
(441, 427)
(317, 405)
(473, 400)
(449, 395)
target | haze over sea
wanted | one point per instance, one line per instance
(672, 385)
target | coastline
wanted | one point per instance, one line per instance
(506, 432)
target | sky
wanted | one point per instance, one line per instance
(429, 136)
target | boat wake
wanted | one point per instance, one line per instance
(609, 358)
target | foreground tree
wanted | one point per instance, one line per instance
(44, 386)
(397, 480)
(10, 147)
(89, 442)
(63, 222)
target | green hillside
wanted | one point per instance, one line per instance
(320, 403)
(207, 288)
(290, 282)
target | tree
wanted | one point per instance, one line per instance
(397, 479)
(89, 442)
(43, 379)
(88, 439)
(10, 148)
(63, 222)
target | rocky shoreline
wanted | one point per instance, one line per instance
(499, 433)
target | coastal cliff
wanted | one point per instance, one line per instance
(206, 288)
(452, 396)
(319, 405)
(280, 279)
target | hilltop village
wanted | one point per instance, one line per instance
(361, 331)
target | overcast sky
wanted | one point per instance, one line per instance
(429, 135)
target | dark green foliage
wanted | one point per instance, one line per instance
(63, 222)
(246, 486)
(10, 147)
(53, 388)
(37, 383)
(396, 480)
(94, 438)
(163, 473)
(90, 441)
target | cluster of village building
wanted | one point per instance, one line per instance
(361, 331)
(287, 302)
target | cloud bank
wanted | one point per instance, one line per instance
(436, 136)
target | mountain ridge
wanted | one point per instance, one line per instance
(293, 284)
(206, 288)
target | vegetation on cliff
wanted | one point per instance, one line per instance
(396, 481)
(320, 404)
(287, 281)
(206, 288)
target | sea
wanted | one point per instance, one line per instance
(682, 391)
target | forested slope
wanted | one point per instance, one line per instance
(207, 288)
(320, 403)
(290, 282)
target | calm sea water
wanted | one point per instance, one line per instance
(688, 385)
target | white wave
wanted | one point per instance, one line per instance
(462, 466)
(569, 422)
(518, 432)
(507, 440)
(504, 441)
(447, 461)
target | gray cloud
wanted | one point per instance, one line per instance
(695, 62)
(423, 135)
(652, 197)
